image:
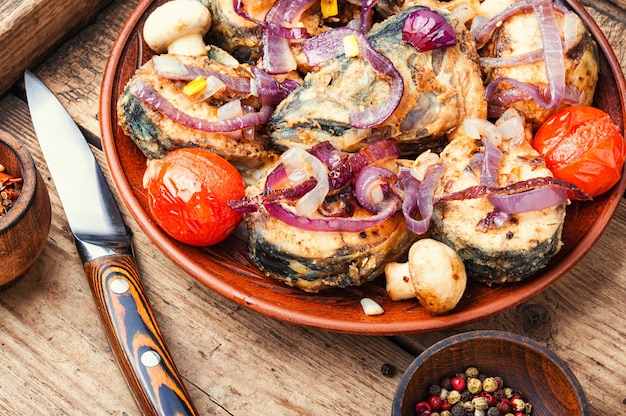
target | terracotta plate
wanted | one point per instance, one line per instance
(226, 269)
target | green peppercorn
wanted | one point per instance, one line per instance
(435, 414)
(468, 406)
(453, 397)
(490, 385)
(508, 392)
(528, 409)
(472, 372)
(474, 385)
(480, 403)
(518, 404)
(445, 413)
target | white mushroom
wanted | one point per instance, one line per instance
(178, 27)
(434, 273)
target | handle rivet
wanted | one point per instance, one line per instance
(150, 358)
(119, 285)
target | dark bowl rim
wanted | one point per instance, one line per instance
(29, 182)
(494, 334)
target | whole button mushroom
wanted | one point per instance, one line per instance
(434, 274)
(178, 27)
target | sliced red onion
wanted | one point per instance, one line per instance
(171, 68)
(332, 224)
(330, 44)
(500, 100)
(419, 197)
(490, 171)
(552, 49)
(288, 10)
(426, 30)
(533, 200)
(367, 8)
(378, 151)
(371, 187)
(508, 61)
(300, 165)
(269, 90)
(522, 186)
(150, 96)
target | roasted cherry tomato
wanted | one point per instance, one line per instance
(188, 193)
(583, 146)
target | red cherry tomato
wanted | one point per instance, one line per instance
(188, 191)
(583, 146)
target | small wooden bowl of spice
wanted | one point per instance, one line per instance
(488, 373)
(25, 212)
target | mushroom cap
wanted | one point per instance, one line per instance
(438, 275)
(173, 20)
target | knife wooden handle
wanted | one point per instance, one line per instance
(135, 337)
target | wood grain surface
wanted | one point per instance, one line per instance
(55, 359)
(31, 29)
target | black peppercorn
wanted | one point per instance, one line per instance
(446, 383)
(387, 370)
(434, 390)
(493, 411)
(457, 410)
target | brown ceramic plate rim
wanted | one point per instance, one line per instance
(226, 269)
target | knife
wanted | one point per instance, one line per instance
(104, 245)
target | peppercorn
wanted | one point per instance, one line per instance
(490, 385)
(474, 385)
(480, 403)
(493, 411)
(446, 383)
(458, 383)
(434, 390)
(466, 395)
(508, 392)
(457, 410)
(518, 404)
(443, 394)
(472, 372)
(445, 413)
(453, 397)
(435, 402)
(468, 406)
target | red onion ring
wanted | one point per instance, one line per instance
(330, 44)
(533, 200)
(371, 180)
(426, 30)
(150, 96)
(418, 197)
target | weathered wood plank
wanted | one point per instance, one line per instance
(30, 29)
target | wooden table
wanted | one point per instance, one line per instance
(55, 359)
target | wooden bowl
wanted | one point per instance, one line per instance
(24, 228)
(537, 373)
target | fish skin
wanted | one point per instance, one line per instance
(522, 245)
(155, 135)
(441, 88)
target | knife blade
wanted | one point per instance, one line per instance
(104, 245)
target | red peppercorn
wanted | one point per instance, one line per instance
(458, 384)
(520, 414)
(491, 399)
(505, 406)
(422, 408)
(445, 405)
(435, 402)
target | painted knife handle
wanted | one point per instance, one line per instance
(135, 337)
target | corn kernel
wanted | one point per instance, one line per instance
(329, 8)
(351, 46)
(194, 87)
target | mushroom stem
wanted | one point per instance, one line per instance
(191, 45)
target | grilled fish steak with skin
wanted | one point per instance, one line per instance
(317, 260)
(520, 35)
(155, 134)
(509, 252)
(442, 87)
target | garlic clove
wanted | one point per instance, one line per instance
(370, 307)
